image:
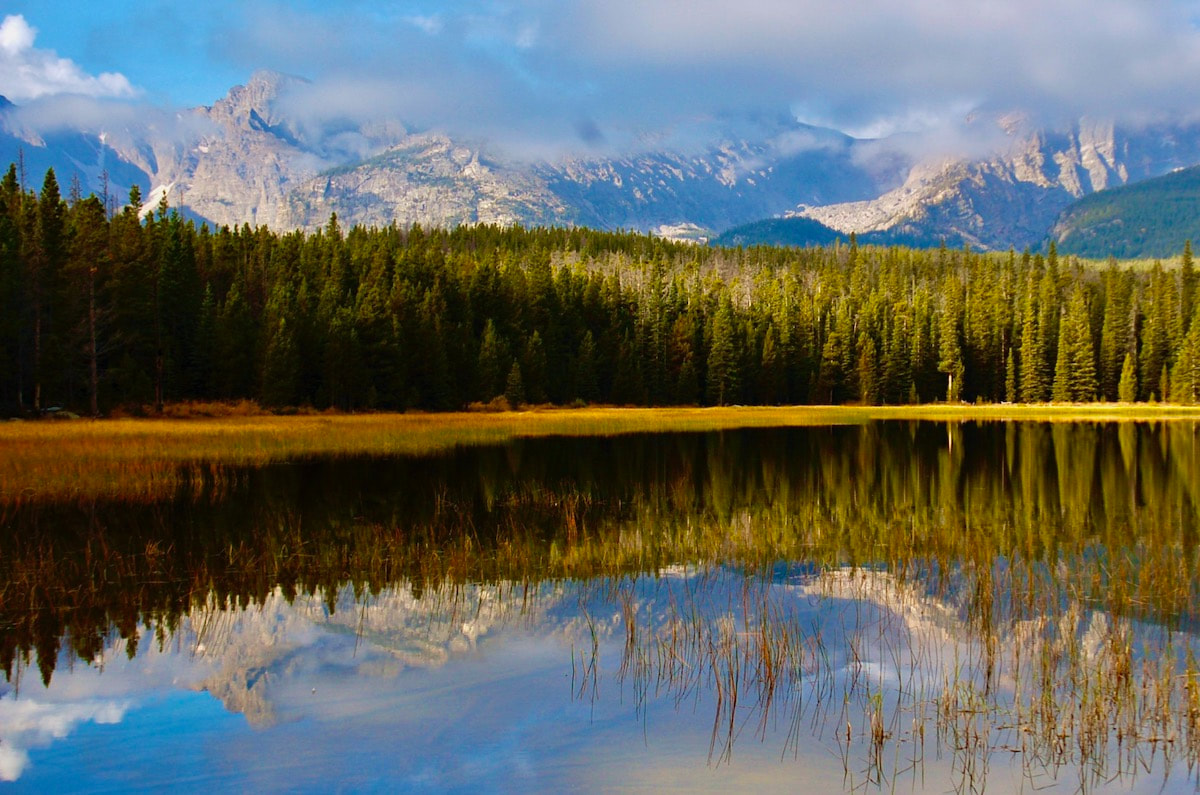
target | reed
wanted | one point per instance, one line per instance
(142, 460)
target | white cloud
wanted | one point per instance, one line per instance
(875, 65)
(26, 723)
(533, 68)
(27, 72)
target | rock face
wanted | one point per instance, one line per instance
(254, 158)
(732, 182)
(425, 179)
(251, 163)
(1012, 199)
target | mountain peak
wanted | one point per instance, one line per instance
(270, 81)
(251, 105)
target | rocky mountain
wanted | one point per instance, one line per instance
(249, 159)
(1012, 198)
(83, 154)
(1152, 218)
(260, 156)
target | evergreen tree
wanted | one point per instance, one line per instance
(951, 356)
(514, 388)
(1127, 391)
(771, 374)
(1010, 378)
(1114, 333)
(87, 269)
(281, 363)
(587, 387)
(490, 365)
(1075, 373)
(533, 369)
(45, 264)
(1033, 376)
(723, 376)
(868, 369)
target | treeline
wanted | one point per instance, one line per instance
(98, 312)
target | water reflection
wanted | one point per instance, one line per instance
(917, 604)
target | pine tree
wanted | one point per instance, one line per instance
(1114, 333)
(490, 365)
(87, 268)
(868, 370)
(281, 365)
(514, 388)
(723, 376)
(1185, 378)
(1010, 378)
(1156, 337)
(45, 271)
(1187, 287)
(533, 369)
(1033, 378)
(771, 373)
(587, 385)
(950, 360)
(1127, 391)
(1075, 372)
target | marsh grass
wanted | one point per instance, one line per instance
(142, 460)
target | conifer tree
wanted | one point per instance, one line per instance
(723, 376)
(771, 374)
(1187, 286)
(950, 361)
(868, 370)
(1033, 378)
(1075, 371)
(514, 387)
(587, 386)
(1010, 378)
(533, 370)
(1127, 391)
(45, 264)
(1114, 333)
(490, 366)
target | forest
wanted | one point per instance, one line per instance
(103, 310)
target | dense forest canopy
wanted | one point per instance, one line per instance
(100, 310)
(1150, 218)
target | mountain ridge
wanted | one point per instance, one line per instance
(256, 156)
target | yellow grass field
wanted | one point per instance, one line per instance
(143, 459)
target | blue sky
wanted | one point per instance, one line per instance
(617, 70)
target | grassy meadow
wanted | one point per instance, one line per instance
(144, 459)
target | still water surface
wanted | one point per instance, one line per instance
(918, 606)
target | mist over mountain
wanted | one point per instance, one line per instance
(260, 155)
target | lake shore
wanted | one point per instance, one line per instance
(150, 458)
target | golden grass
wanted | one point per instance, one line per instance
(145, 459)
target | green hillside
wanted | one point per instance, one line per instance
(1152, 218)
(800, 232)
(804, 232)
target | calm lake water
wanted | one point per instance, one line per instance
(912, 606)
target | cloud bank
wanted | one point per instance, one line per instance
(607, 72)
(614, 75)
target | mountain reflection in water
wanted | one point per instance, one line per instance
(917, 604)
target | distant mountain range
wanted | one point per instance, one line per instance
(249, 159)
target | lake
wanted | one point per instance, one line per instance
(901, 605)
